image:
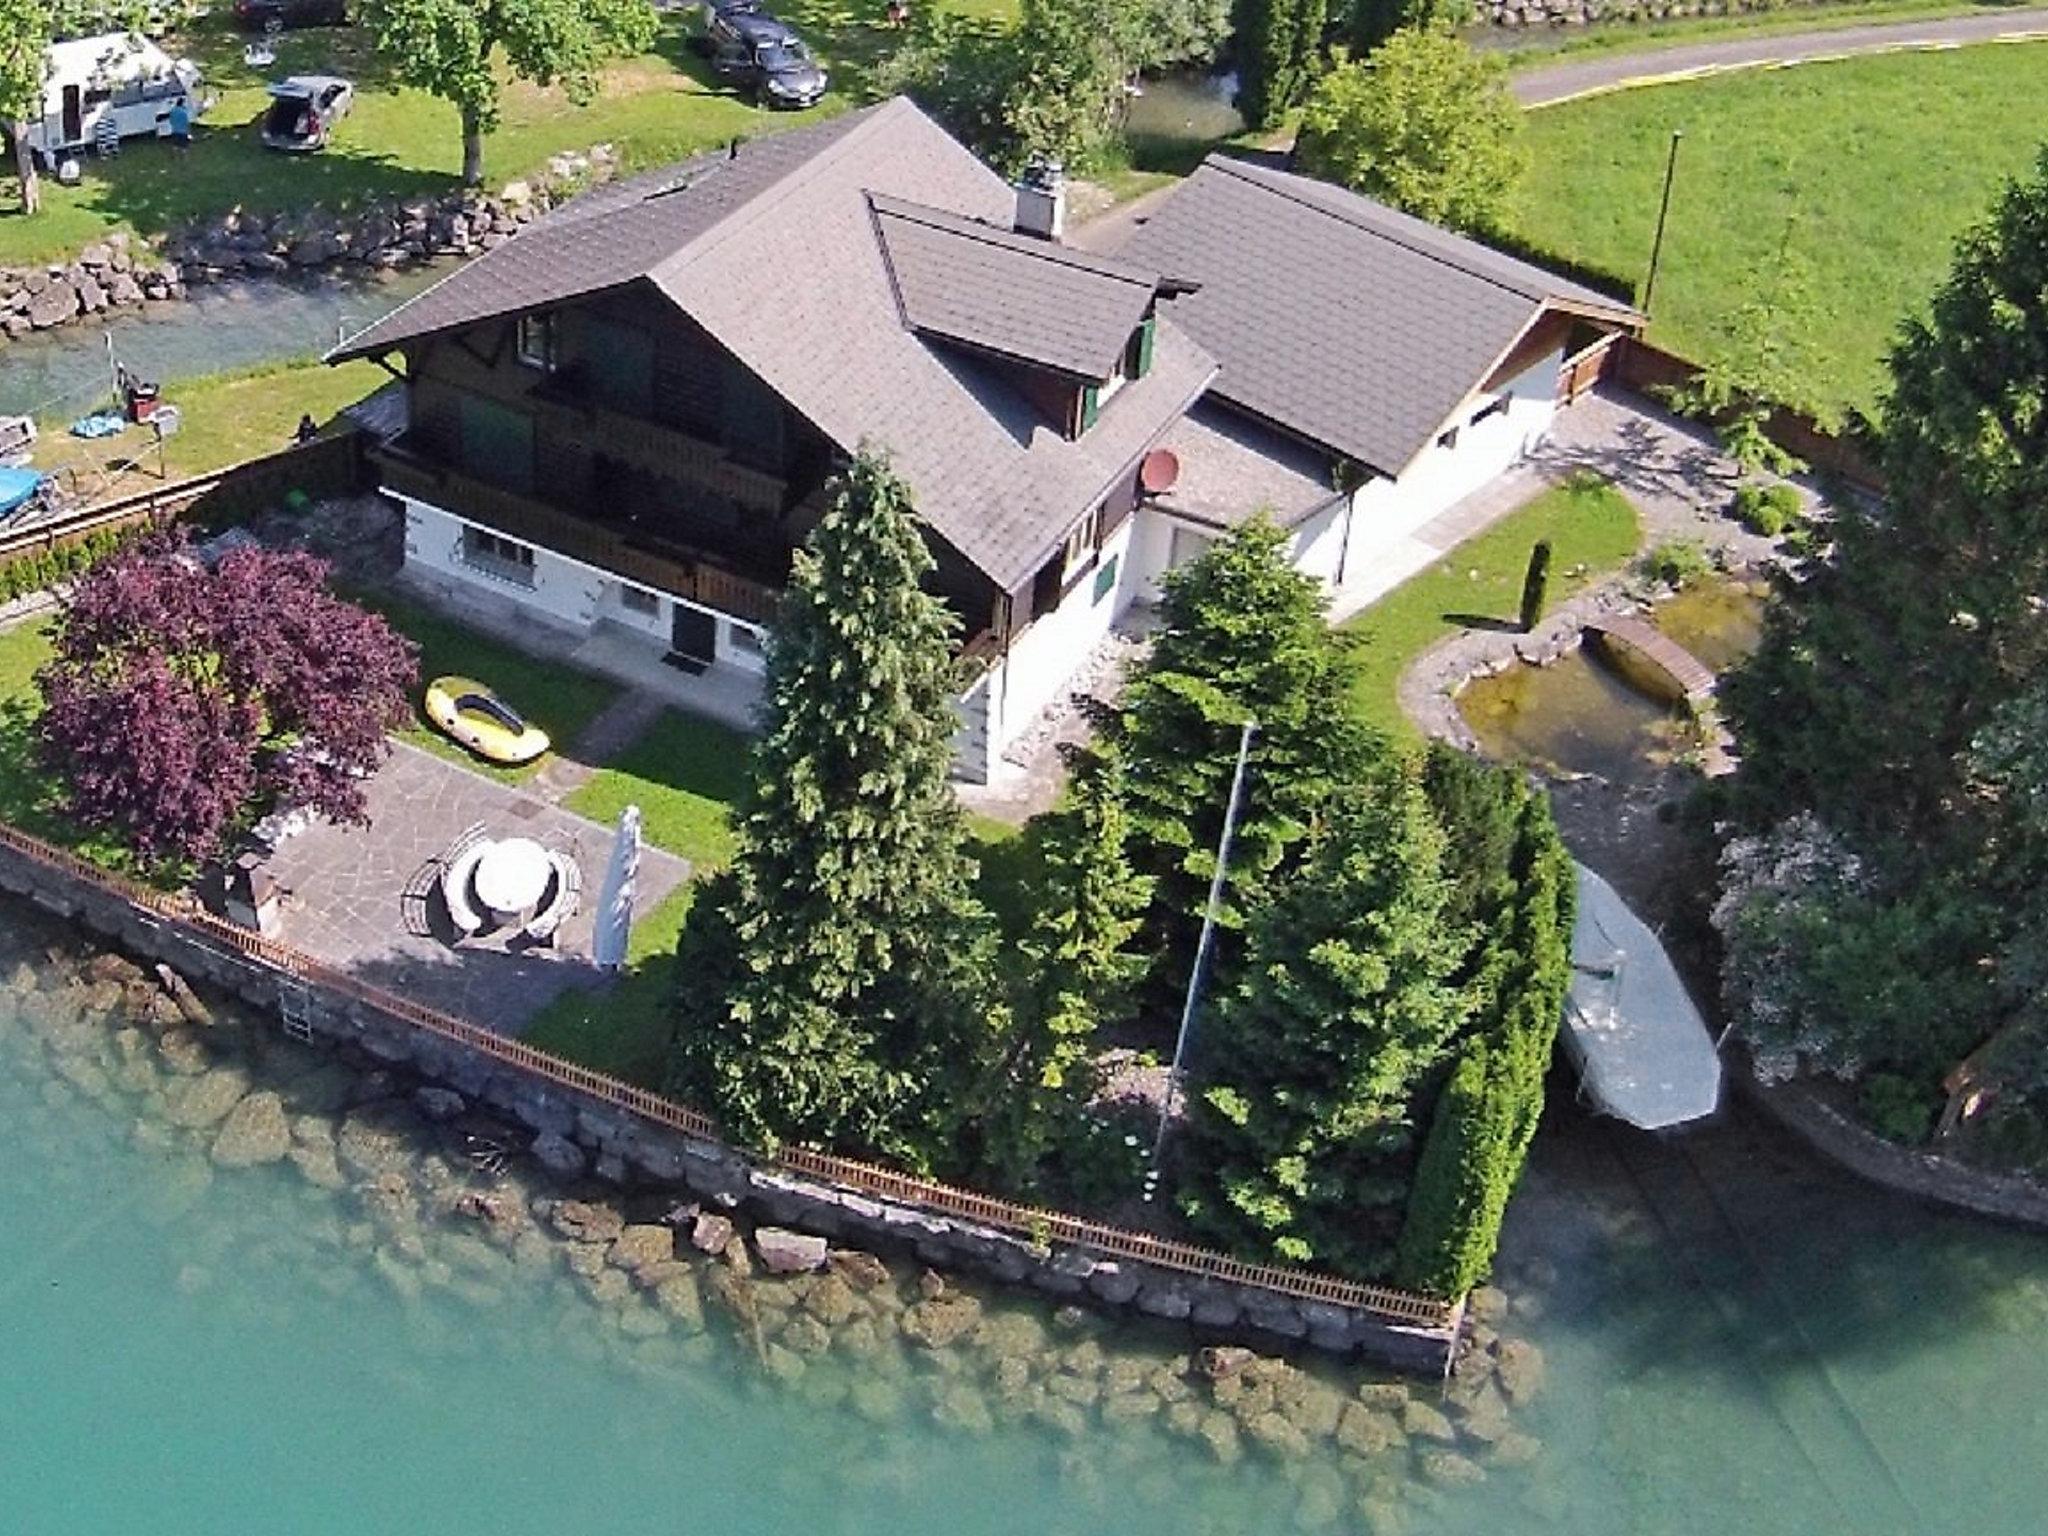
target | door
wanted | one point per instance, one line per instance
(693, 636)
(74, 115)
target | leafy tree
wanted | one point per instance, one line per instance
(450, 48)
(180, 699)
(1757, 363)
(1372, 22)
(835, 980)
(1488, 1112)
(1344, 1001)
(1242, 636)
(1067, 93)
(1277, 43)
(1078, 972)
(1423, 123)
(24, 48)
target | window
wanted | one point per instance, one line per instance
(537, 342)
(639, 600)
(743, 642)
(1449, 439)
(496, 555)
(497, 444)
(1080, 543)
(1495, 407)
(1105, 579)
(1186, 545)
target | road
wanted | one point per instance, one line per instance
(1605, 72)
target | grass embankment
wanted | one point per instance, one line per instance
(27, 790)
(1876, 164)
(1592, 530)
(655, 107)
(224, 418)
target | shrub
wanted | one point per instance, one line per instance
(1768, 509)
(1536, 585)
(1677, 563)
(1896, 1107)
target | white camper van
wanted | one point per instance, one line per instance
(117, 86)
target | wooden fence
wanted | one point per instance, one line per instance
(1034, 1225)
(1648, 370)
(325, 466)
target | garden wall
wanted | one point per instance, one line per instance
(583, 1120)
(1518, 14)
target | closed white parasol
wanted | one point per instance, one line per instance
(615, 904)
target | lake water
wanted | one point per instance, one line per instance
(229, 326)
(1737, 1341)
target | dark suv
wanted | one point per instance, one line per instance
(277, 15)
(774, 63)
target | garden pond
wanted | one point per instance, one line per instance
(250, 1287)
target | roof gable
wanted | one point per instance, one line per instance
(986, 286)
(1337, 318)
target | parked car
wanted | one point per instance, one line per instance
(726, 31)
(280, 15)
(713, 11)
(780, 70)
(304, 110)
(468, 711)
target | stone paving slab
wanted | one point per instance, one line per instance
(345, 884)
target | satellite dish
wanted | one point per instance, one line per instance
(1160, 472)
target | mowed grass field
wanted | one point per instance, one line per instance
(1879, 164)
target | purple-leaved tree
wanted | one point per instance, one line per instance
(182, 700)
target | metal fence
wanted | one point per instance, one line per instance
(1035, 1225)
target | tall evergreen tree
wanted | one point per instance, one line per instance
(834, 981)
(1345, 1001)
(1078, 972)
(1278, 42)
(1242, 637)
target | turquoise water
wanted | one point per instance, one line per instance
(1736, 1342)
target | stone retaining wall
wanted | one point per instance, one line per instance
(574, 1133)
(1519, 14)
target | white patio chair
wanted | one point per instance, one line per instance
(455, 882)
(568, 897)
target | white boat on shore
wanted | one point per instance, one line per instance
(1640, 1047)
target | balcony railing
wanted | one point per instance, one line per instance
(660, 449)
(678, 573)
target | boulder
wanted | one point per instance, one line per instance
(941, 1321)
(1422, 1422)
(583, 1221)
(255, 1131)
(54, 305)
(1221, 1360)
(637, 1247)
(201, 1101)
(862, 1271)
(710, 1233)
(1518, 1365)
(92, 298)
(1450, 1469)
(558, 1154)
(315, 249)
(789, 1253)
(124, 290)
(681, 1300)
(1363, 1432)
(439, 1103)
(831, 1300)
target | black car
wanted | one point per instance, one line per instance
(778, 67)
(718, 16)
(278, 15)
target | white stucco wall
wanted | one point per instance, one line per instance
(563, 590)
(1044, 657)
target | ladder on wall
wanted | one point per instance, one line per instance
(295, 1006)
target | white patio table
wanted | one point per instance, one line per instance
(512, 876)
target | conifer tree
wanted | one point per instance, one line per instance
(1345, 1001)
(1242, 636)
(1078, 971)
(1277, 44)
(834, 983)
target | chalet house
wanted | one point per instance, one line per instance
(623, 422)
(1374, 368)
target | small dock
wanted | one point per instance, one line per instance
(1693, 678)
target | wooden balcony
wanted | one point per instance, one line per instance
(672, 569)
(660, 449)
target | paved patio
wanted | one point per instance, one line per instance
(345, 888)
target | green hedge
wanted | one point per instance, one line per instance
(32, 571)
(1489, 1109)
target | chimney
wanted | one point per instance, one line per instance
(1042, 200)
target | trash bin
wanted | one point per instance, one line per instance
(143, 400)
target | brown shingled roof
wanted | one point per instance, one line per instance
(987, 286)
(1336, 317)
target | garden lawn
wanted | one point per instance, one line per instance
(684, 773)
(224, 418)
(624, 1029)
(559, 699)
(1592, 530)
(653, 108)
(1876, 165)
(26, 788)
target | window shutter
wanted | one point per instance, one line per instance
(1091, 406)
(1141, 350)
